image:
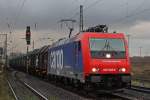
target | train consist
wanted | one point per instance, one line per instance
(92, 59)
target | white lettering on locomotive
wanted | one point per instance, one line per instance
(56, 59)
(108, 69)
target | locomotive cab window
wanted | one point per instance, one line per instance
(107, 48)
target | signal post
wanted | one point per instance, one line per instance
(28, 40)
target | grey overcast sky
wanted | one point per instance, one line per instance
(127, 16)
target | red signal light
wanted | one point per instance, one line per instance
(28, 35)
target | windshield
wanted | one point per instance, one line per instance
(100, 48)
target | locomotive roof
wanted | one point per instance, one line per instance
(79, 35)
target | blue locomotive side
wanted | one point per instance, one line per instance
(66, 60)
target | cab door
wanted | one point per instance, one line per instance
(78, 58)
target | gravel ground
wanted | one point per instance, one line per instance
(134, 95)
(50, 91)
(5, 92)
(22, 92)
(138, 95)
(56, 93)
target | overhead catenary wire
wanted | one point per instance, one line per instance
(86, 8)
(132, 14)
(74, 9)
(19, 12)
(121, 19)
(20, 6)
(17, 15)
(128, 15)
(77, 8)
(12, 26)
(139, 6)
(93, 4)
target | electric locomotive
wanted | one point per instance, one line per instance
(94, 59)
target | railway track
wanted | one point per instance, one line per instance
(23, 91)
(141, 89)
(14, 94)
(50, 92)
(54, 91)
(61, 92)
(93, 95)
(135, 93)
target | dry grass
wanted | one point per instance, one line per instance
(5, 92)
(142, 73)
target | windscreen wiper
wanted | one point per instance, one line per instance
(107, 46)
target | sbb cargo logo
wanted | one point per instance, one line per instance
(56, 59)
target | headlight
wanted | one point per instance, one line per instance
(108, 55)
(95, 70)
(122, 69)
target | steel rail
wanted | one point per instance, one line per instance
(124, 96)
(14, 94)
(42, 97)
(31, 88)
(140, 89)
(35, 91)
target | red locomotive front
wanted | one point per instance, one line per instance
(106, 60)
